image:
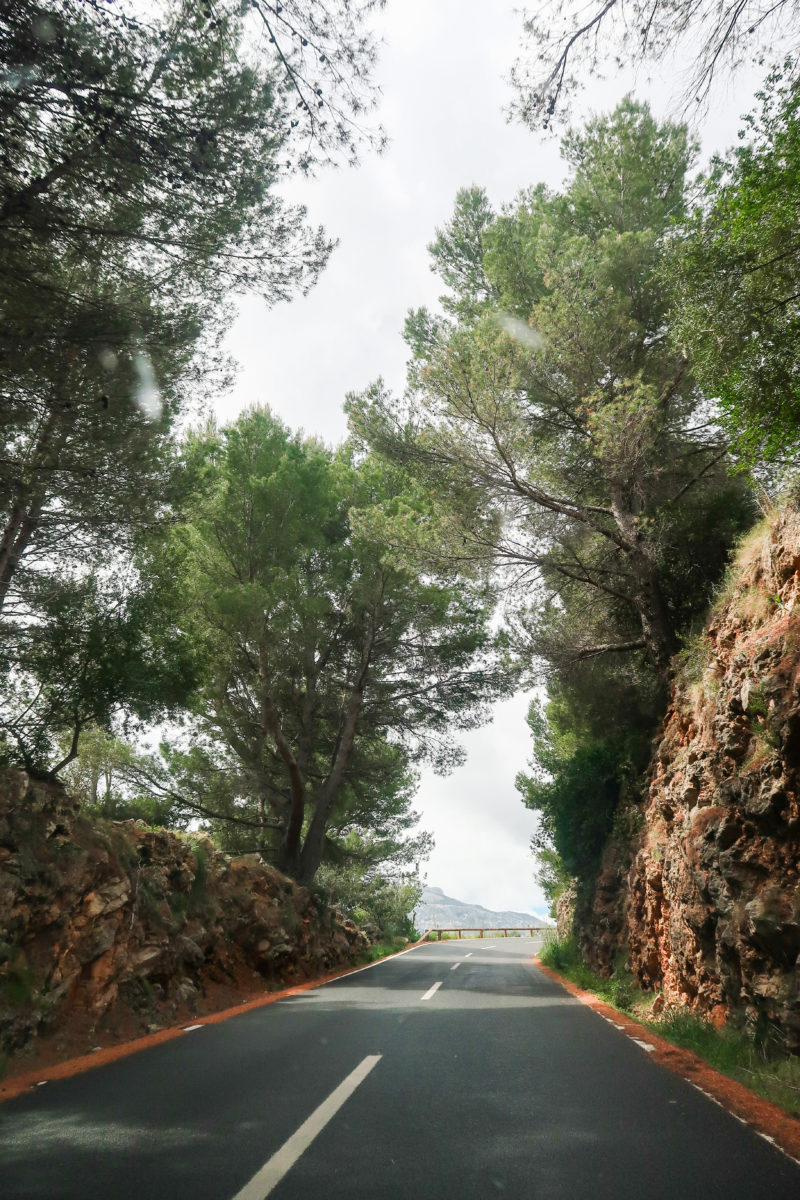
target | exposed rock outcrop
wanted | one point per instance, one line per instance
(708, 895)
(114, 923)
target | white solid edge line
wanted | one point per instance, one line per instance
(273, 1171)
(379, 962)
(432, 990)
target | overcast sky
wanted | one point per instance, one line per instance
(442, 74)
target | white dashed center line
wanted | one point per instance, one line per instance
(455, 966)
(432, 990)
(273, 1171)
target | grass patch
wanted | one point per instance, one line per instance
(381, 949)
(693, 658)
(200, 901)
(179, 907)
(753, 604)
(754, 1056)
(619, 990)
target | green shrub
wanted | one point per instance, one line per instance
(620, 991)
(560, 954)
(18, 984)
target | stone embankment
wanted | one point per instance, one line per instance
(705, 897)
(114, 928)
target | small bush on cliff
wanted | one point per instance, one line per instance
(17, 979)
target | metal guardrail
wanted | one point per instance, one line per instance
(492, 931)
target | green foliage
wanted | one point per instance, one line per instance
(551, 875)
(139, 178)
(618, 990)
(105, 778)
(179, 907)
(581, 771)
(132, 208)
(18, 984)
(566, 45)
(571, 452)
(735, 277)
(97, 647)
(693, 657)
(373, 891)
(560, 954)
(327, 668)
(457, 254)
(380, 950)
(752, 1054)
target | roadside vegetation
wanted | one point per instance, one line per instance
(239, 629)
(752, 1054)
(380, 950)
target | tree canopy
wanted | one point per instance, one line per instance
(735, 278)
(606, 359)
(329, 669)
(565, 433)
(564, 45)
(138, 193)
(562, 444)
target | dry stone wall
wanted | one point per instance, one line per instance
(115, 923)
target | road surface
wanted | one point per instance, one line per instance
(455, 1071)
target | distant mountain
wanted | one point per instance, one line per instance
(437, 911)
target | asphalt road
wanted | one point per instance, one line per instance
(383, 1085)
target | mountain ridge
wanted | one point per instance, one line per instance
(438, 910)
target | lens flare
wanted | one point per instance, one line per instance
(147, 394)
(520, 331)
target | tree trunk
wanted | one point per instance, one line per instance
(19, 530)
(261, 836)
(659, 636)
(289, 849)
(28, 500)
(647, 597)
(314, 844)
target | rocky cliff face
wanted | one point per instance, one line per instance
(114, 926)
(707, 897)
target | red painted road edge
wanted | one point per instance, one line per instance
(11, 1088)
(766, 1118)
